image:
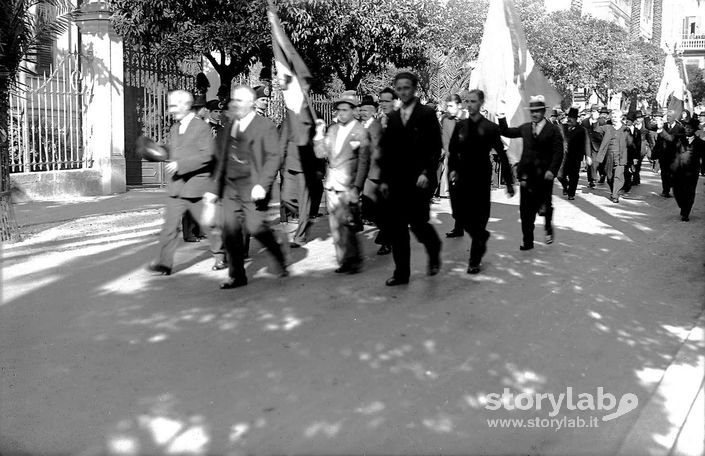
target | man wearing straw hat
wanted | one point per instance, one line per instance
(541, 158)
(346, 148)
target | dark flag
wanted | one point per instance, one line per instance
(293, 76)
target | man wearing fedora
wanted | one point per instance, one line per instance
(188, 168)
(614, 154)
(577, 148)
(373, 204)
(411, 148)
(668, 133)
(247, 160)
(346, 149)
(540, 160)
(686, 166)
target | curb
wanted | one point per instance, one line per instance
(674, 400)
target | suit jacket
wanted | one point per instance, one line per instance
(193, 154)
(540, 154)
(633, 145)
(411, 150)
(688, 153)
(593, 134)
(577, 143)
(347, 167)
(620, 158)
(667, 142)
(469, 154)
(297, 158)
(447, 128)
(374, 136)
(261, 139)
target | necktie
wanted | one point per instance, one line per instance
(535, 129)
(404, 116)
(235, 130)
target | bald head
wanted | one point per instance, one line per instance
(179, 103)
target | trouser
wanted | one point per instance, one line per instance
(628, 176)
(702, 162)
(636, 177)
(411, 214)
(343, 228)
(443, 177)
(298, 197)
(615, 180)
(240, 214)
(592, 168)
(168, 238)
(684, 186)
(455, 206)
(666, 174)
(374, 208)
(475, 214)
(190, 228)
(534, 198)
(571, 175)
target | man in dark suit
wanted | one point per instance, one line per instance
(577, 148)
(633, 151)
(247, 160)
(302, 188)
(189, 167)
(595, 137)
(373, 205)
(541, 158)
(411, 148)
(470, 173)
(614, 154)
(669, 133)
(689, 148)
(346, 149)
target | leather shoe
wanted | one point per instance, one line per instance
(160, 268)
(192, 239)
(220, 264)
(294, 245)
(348, 269)
(526, 246)
(549, 239)
(454, 234)
(233, 283)
(393, 281)
(685, 218)
(666, 195)
(473, 269)
(614, 200)
(434, 267)
(384, 250)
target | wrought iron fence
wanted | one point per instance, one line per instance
(46, 120)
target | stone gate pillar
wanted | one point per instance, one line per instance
(102, 71)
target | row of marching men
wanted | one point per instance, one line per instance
(390, 162)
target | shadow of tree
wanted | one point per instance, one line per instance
(127, 363)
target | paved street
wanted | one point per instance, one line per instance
(100, 357)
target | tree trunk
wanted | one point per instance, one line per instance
(8, 223)
(635, 21)
(658, 20)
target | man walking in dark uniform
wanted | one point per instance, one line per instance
(248, 158)
(470, 172)
(541, 157)
(411, 148)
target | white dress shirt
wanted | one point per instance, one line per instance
(341, 135)
(183, 123)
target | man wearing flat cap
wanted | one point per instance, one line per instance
(346, 149)
(540, 160)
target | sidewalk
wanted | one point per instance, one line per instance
(100, 356)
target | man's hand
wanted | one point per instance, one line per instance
(659, 124)
(588, 160)
(209, 198)
(549, 175)
(453, 177)
(422, 181)
(258, 193)
(171, 168)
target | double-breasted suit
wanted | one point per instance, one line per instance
(411, 149)
(540, 153)
(192, 152)
(246, 156)
(348, 161)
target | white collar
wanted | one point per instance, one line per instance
(184, 123)
(245, 121)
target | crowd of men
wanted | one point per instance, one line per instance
(385, 158)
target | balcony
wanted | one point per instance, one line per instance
(692, 42)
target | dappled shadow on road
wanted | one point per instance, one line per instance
(321, 363)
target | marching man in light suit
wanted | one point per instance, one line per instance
(346, 149)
